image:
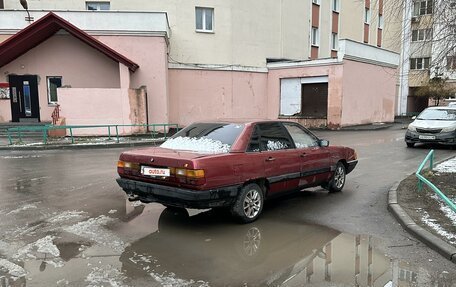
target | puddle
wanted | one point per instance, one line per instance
(169, 248)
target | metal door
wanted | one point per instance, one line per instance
(24, 98)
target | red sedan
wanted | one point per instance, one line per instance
(235, 165)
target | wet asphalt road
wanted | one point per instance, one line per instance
(65, 222)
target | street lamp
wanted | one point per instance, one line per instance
(25, 6)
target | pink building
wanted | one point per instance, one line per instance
(113, 68)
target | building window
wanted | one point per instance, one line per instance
(423, 7)
(334, 41)
(335, 5)
(315, 41)
(380, 21)
(204, 19)
(451, 62)
(52, 84)
(421, 35)
(316, 2)
(367, 15)
(97, 6)
(419, 63)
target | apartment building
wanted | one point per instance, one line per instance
(428, 51)
(306, 61)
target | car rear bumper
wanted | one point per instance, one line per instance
(179, 197)
(440, 138)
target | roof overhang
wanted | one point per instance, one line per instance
(44, 28)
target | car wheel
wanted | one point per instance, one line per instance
(410, 144)
(337, 182)
(249, 203)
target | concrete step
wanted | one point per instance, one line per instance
(28, 134)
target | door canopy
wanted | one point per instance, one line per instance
(46, 27)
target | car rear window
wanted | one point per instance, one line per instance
(205, 137)
(438, 114)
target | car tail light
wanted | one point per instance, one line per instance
(190, 176)
(128, 165)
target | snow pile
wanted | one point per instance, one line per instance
(447, 166)
(14, 270)
(451, 237)
(43, 245)
(203, 145)
(93, 230)
(445, 208)
(105, 276)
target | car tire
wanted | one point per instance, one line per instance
(410, 144)
(337, 182)
(249, 203)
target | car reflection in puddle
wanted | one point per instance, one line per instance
(266, 253)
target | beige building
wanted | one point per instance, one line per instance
(241, 33)
(428, 49)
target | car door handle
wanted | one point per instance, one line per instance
(270, 158)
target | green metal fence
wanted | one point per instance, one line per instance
(153, 130)
(422, 179)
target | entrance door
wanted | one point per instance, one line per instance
(24, 98)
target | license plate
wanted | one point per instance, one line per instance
(426, 137)
(152, 171)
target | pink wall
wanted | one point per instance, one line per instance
(368, 93)
(204, 95)
(334, 73)
(80, 65)
(151, 55)
(107, 106)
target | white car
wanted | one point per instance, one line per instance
(433, 125)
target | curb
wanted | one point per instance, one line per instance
(81, 146)
(369, 127)
(448, 251)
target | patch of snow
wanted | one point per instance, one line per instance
(445, 209)
(93, 229)
(62, 282)
(105, 276)
(426, 219)
(67, 216)
(202, 145)
(44, 245)
(170, 280)
(112, 211)
(13, 269)
(22, 208)
(136, 203)
(20, 156)
(446, 166)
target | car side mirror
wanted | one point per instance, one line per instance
(324, 143)
(414, 117)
